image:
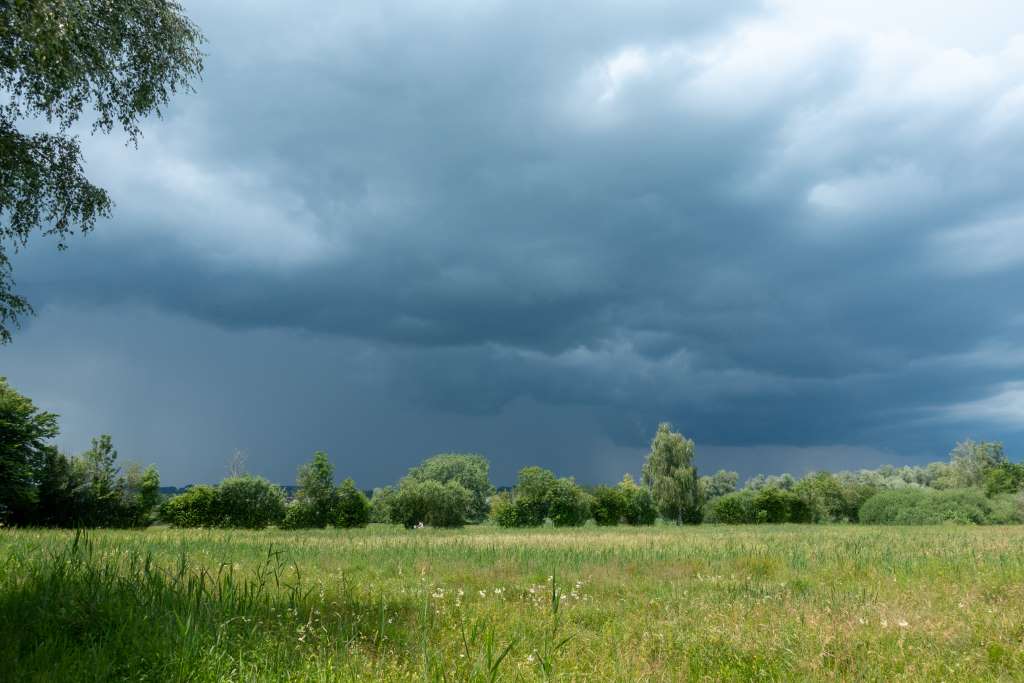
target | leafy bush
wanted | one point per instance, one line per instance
(299, 514)
(915, 505)
(381, 504)
(639, 508)
(718, 484)
(196, 507)
(468, 470)
(530, 500)
(825, 496)
(317, 496)
(732, 508)
(962, 506)
(25, 433)
(353, 508)
(776, 506)
(249, 502)
(1007, 508)
(503, 510)
(431, 503)
(608, 506)
(90, 490)
(567, 503)
(768, 505)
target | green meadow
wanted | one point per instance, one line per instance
(659, 603)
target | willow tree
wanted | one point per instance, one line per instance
(119, 61)
(672, 477)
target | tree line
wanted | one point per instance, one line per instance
(40, 486)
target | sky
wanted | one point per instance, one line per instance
(535, 230)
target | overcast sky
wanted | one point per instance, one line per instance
(534, 230)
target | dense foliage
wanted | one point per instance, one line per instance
(41, 486)
(24, 435)
(118, 61)
(929, 506)
(470, 471)
(430, 503)
(353, 507)
(672, 478)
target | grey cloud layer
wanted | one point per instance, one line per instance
(766, 230)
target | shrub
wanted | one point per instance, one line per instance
(249, 502)
(1007, 477)
(732, 508)
(609, 505)
(468, 470)
(430, 503)
(1007, 508)
(317, 495)
(25, 433)
(639, 507)
(926, 506)
(381, 504)
(531, 498)
(771, 506)
(353, 508)
(503, 510)
(196, 507)
(718, 484)
(567, 503)
(299, 514)
(824, 495)
(768, 505)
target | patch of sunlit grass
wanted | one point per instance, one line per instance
(384, 603)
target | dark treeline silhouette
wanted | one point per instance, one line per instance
(40, 486)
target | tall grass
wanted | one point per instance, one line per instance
(741, 603)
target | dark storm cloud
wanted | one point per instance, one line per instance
(764, 226)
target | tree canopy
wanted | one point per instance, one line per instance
(670, 474)
(25, 432)
(118, 60)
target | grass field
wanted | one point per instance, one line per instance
(628, 604)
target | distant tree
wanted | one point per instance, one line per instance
(237, 463)
(298, 515)
(503, 510)
(119, 60)
(25, 432)
(105, 490)
(249, 503)
(825, 497)
(567, 503)
(972, 460)
(353, 508)
(531, 495)
(430, 503)
(918, 505)
(317, 495)
(142, 494)
(732, 508)
(784, 482)
(936, 475)
(671, 476)
(1005, 478)
(381, 503)
(639, 507)
(468, 470)
(60, 492)
(198, 506)
(718, 484)
(608, 506)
